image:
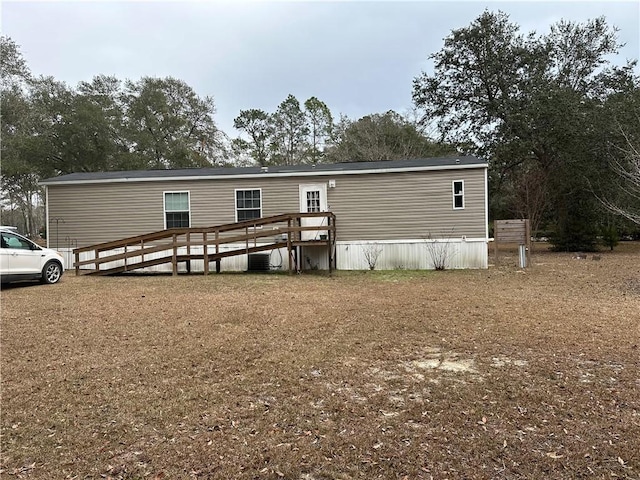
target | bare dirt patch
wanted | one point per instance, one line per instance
(499, 373)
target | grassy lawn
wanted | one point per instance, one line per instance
(458, 374)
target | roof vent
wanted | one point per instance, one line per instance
(264, 169)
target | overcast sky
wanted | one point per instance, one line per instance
(357, 57)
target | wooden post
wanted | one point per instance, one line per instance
(174, 257)
(495, 242)
(96, 255)
(333, 247)
(189, 252)
(142, 248)
(289, 252)
(125, 257)
(205, 253)
(77, 260)
(217, 251)
(527, 229)
(329, 243)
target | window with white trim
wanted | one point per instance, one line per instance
(177, 211)
(458, 194)
(248, 204)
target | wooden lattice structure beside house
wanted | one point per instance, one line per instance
(516, 231)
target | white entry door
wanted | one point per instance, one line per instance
(313, 198)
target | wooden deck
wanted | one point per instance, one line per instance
(175, 245)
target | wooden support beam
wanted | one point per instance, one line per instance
(528, 244)
(289, 252)
(174, 257)
(217, 251)
(188, 251)
(332, 247)
(205, 252)
(329, 249)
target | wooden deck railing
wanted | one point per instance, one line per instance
(286, 231)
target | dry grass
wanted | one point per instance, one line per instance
(465, 374)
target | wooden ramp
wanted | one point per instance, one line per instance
(179, 245)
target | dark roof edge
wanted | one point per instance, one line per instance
(354, 168)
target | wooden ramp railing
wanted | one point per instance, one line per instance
(175, 245)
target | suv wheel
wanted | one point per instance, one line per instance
(51, 272)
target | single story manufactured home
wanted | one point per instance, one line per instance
(396, 209)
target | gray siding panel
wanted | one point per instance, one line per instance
(382, 206)
(408, 205)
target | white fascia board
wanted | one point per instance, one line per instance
(267, 175)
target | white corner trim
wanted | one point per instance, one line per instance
(486, 202)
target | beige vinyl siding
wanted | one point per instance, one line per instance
(381, 206)
(397, 206)
(103, 212)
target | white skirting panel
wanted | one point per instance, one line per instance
(413, 255)
(391, 255)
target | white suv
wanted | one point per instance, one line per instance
(21, 259)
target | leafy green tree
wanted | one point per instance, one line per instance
(73, 133)
(21, 194)
(387, 136)
(530, 104)
(70, 131)
(169, 126)
(14, 71)
(258, 126)
(107, 94)
(320, 124)
(290, 133)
